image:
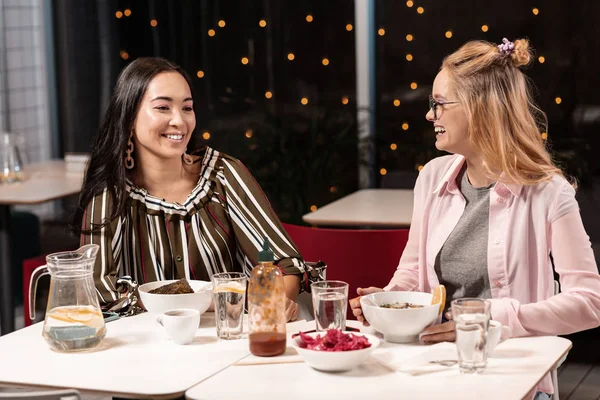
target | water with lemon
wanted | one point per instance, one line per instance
(74, 328)
(229, 300)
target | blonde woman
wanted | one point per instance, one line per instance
(488, 218)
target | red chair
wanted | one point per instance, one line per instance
(29, 266)
(362, 258)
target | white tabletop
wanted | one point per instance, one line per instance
(384, 208)
(45, 181)
(395, 372)
(136, 360)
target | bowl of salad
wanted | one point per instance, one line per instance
(334, 350)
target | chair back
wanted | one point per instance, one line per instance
(362, 258)
(65, 394)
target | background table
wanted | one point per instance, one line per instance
(45, 181)
(516, 368)
(379, 208)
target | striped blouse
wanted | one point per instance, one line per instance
(219, 228)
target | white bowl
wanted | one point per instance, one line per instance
(160, 303)
(335, 361)
(400, 325)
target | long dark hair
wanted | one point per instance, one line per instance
(106, 168)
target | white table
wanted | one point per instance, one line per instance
(135, 360)
(395, 372)
(45, 181)
(380, 208)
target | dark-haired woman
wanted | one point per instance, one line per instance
(160, 212)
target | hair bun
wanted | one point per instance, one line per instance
(522, 53)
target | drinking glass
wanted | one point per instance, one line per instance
(472, 318)
(330, 300)
(229, 294)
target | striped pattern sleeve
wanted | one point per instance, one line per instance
(105, 269)
(253, 219)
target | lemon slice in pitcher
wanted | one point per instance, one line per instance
(230, 287)
(439, 296)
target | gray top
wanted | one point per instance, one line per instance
(461, 264)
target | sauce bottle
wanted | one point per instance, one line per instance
(266, 306)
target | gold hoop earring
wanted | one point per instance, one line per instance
(129, 161)
(187, 158)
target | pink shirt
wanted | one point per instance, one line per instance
(526, 224)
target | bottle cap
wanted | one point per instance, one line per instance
(266, 255)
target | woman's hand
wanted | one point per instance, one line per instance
(355, 303)
(291, 310)
(439, 333)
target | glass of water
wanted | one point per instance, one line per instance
(330, 300)
(472, 318)
(229, 294)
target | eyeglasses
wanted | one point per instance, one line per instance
(433, 104)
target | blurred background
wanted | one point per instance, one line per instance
(276, 82)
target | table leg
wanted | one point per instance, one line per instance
(7, 310)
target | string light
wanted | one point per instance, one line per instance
(544, 136)
(413, 85)
(419, 168)
(333, 189)
(345, 100)
(484, 28)
(262, 23)
(420, 10)
(558, 100)
(393, 146)
(396, 103)
(535, 11)
(127, 12)
(200, 74)
(448, 34)
(313, 208)
(249, 133)
(222, 24)
(119, 14)
(309, 18)
(381, 32)
(291, 56)
(124, 55)
(409, 38)
(206, 135)
(349, 27)
(383, 171)
(325, 61)
(268, 95)
(409, 57)
(409, 3)
(542, 59)
(154, 23)
(245, 60)
(304, 101)
(405, 126)
(211, 32)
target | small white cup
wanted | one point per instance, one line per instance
(497, 333)
(180, 324)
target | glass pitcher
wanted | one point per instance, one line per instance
(73, 320)
(11, 165)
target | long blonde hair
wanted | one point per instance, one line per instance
(505, 125)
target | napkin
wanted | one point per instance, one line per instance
(289, 356)
(417, 360)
